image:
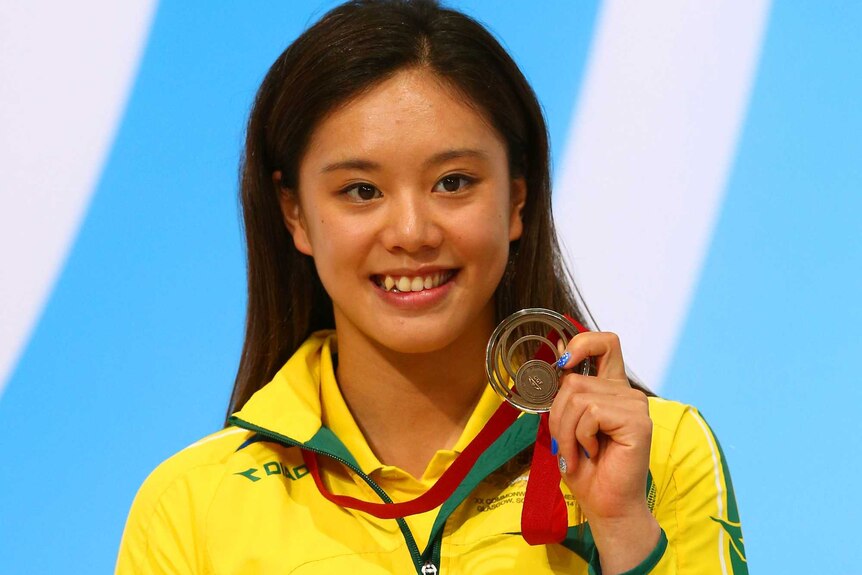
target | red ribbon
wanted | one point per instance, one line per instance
(544, 517)
(441, 490)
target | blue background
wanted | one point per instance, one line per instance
(134, 355)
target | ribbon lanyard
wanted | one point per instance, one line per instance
(544, 517)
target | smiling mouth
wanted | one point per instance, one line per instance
(406, 284)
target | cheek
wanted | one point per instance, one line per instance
(486, 236)
(335, 238)
(333, 230)
(340, 245)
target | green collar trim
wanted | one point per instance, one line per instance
(326, 442)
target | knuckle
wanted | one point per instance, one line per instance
(612, 337)
(574, 382)
(647, 427)
(581, 400)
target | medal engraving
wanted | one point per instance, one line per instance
(536, 382)
(521, 358)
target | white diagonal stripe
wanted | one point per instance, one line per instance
(649, 151)
(66, 70)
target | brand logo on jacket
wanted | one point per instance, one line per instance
(274, 468)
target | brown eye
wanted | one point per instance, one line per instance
(362, 193)
(454, 183)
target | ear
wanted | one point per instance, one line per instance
(292, 214)
(518, 195)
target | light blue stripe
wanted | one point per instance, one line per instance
(771, 345)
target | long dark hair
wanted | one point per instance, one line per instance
(350, 50)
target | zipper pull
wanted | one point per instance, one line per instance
(429, 569)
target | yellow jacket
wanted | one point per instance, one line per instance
(241, 501)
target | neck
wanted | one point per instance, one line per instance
(408, 406)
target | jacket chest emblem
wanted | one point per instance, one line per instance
(274, 468)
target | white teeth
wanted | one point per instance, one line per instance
(414, 284)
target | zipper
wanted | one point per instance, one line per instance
(431, 557)
(418, 561)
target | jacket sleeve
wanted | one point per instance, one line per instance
(696, 508)
(163, 530)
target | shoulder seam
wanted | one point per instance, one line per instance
(156, 499)
(217, 435)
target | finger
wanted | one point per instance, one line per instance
(575, 383)
(622, 421)
(562, 429)
(578, 420)
(587, 431)
(604, 347)
(564, 394)
(580, 383)
(575, 389)
(579, 413)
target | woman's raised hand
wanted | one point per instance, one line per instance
(602, 429)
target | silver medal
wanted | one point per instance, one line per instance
(517, 338)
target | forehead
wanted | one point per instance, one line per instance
(415, 112)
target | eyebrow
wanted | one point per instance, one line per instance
(447, 155)
(436, 159)
(351, 164)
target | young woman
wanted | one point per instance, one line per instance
(396, 196)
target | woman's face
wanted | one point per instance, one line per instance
(407, 207)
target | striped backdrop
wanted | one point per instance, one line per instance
(710, 154)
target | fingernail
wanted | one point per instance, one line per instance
(564, 359)
(554, 446)
(587, 453)
(562, 464)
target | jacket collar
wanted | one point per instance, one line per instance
(289, 410)
(303, 405)
(298, 384)
(290, 405)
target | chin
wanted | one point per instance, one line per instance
(417, 343)
(425, 333)
(434, 335)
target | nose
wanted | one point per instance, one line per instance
(412, 224)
